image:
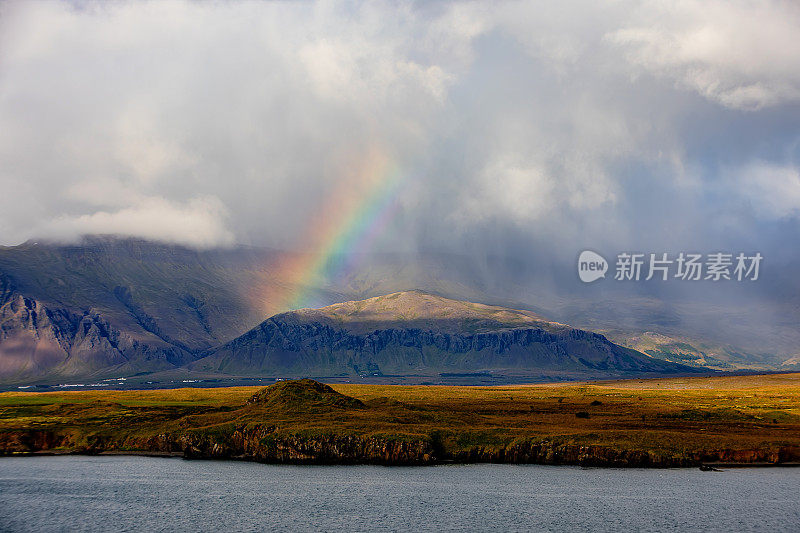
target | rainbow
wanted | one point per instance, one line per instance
(345, 226)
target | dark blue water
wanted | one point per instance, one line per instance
(151, 494)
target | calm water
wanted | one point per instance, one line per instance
(151, 494)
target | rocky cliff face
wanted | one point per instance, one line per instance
(264, 443)
(117, 306)
(303, 342)
(38, 340)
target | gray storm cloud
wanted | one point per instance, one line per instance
(622, 124)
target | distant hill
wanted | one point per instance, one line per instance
(416, 333)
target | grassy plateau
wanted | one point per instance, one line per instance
(659, 422)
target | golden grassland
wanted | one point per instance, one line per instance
(674, 416)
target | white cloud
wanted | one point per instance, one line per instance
(743, 55)
(772, 190)
(530, 191)
(198, 222)
(522, 189)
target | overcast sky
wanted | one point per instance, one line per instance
(514, 126)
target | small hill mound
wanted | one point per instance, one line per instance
(303, 395)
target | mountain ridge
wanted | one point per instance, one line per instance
(107, 306)
(435, 335)
(419, 308)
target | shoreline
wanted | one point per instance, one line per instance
(706, 466)
(582, 456)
